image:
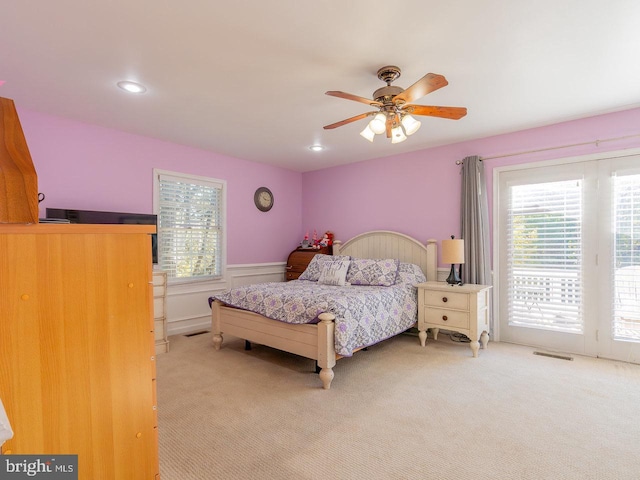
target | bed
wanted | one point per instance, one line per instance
(317, 340)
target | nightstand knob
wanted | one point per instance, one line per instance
(444, 317)
(444, 299)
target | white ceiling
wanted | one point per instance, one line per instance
(246, 78)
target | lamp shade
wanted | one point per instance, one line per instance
(453, 251)
(378, 124)
(410, 124)
(397, 135)
(368, 133)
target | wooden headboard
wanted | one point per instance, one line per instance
(387, 244)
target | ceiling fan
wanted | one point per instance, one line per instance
(394, 107)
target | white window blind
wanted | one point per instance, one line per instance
(190, 226)
(545, 285)
(626, 257)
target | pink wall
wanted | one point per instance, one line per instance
(87, 167)
(419, 193)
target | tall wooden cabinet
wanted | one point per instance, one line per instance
(77, 360)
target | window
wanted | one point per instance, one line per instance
(626, 257)
(191, 225)
(544, 247)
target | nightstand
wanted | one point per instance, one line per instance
(458, 308)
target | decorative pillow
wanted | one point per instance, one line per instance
(366, 271)
(410, 274)
(334, 273)
(313, 270)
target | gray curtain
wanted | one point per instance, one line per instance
(474, 228)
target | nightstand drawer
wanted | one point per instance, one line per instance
(456, 300)
(446, 318)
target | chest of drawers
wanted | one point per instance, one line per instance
(463, 309)
(160, 311)
(300, 258)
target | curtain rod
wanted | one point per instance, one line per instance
(594, 142)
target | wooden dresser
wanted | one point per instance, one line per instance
(77, 361)
(300, 258)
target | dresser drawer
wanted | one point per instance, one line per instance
(158, 307)
(158, 329)
(446, 318)
(159, 284)
(456, 300)
(293, 275)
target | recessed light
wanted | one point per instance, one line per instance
(132, 87)
(316, 148)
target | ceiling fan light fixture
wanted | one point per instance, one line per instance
(397, 134)
(378, 124)
(410, 124)
(368, 133)
(395, 104)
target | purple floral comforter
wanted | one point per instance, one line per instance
(364, 315)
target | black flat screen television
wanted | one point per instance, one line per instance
(93, 216)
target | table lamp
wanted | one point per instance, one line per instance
(453, 253)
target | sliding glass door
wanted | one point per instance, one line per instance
(619, 240)
(569, 257)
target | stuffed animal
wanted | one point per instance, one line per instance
(326, 240)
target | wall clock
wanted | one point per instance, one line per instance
(263, 198)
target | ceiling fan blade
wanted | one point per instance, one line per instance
(427, 84)
(349, 120)
(454, 113)
(355, 98)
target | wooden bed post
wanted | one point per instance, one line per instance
(326, 348)
(432, 260)
(215, 324)
(337, 245)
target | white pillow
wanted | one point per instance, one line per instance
(334, 273)
(312, 272)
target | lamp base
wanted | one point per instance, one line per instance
(454, 278)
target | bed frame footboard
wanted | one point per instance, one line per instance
(314, 341)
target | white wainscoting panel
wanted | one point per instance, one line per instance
(187, 303)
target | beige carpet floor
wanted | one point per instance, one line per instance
(396, 411)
